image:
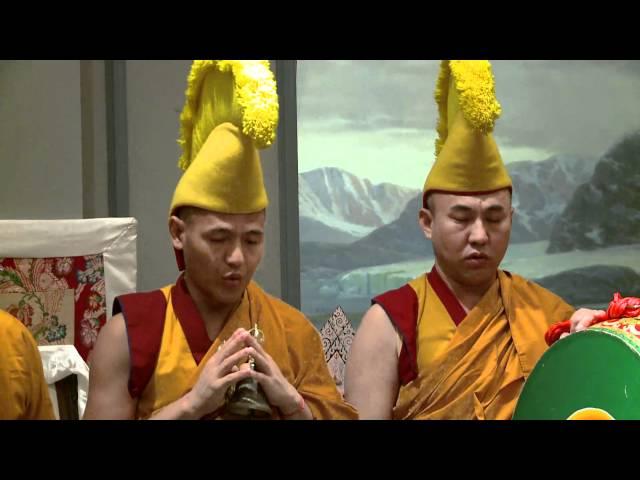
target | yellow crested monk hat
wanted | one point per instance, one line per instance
(230, 113)
(467, 157)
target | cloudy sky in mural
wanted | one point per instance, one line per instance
(377, 119)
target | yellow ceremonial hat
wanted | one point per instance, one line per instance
(231, 111)
(467, 157)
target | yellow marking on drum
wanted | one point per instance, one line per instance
(590, 413)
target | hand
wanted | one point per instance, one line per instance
(220, 372)
(582, 319)
(279, 392)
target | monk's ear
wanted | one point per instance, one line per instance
(425, 220)
(177, 228)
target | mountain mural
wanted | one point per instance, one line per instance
(605, 211)
(346, 204)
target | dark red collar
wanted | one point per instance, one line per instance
(447, 297)
(190, 320)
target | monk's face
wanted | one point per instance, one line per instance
(221, 251)
(470, 234)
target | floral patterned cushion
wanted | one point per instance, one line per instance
(59, 277)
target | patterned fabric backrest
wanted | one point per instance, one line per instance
(59, 277)
(337, 336)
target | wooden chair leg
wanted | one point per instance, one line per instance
(67, 392)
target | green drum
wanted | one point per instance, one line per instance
(593, 374)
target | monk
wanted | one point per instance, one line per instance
(176, 352)
(24, 394)
(459, 341)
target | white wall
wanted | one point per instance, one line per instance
(155, 93)
(40, 140)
